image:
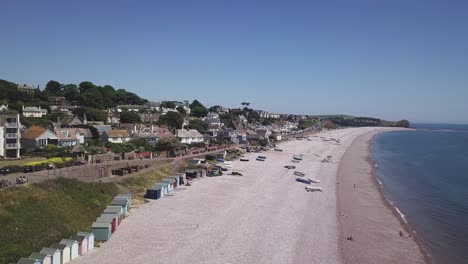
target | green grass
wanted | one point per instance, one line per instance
(20, 162)
(139, 183)
(38, 215)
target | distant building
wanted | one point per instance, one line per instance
(72, 136)
(189, 136)
(10, 136)
(36, 137)
(116, 136)
(28, 89)
(34, 111)
(213, 121)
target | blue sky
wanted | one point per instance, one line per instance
(388, 59)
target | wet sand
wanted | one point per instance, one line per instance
(264, 216)
(366, 216)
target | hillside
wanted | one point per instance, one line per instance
(41, 214)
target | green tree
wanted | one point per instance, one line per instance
(71, 92)
(198, 124)
(172, 119)
(196, 103)
(92, 98)
(199, 111)
(92, 114)
(181, 110)
(168, 104)
(86, 86)
(168, 144)
(53, 87)
(129, 117)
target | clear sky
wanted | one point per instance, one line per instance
(391, 59)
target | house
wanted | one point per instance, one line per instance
(28, 89)
(214, 122)
(36, 137)
(10, 136)
(229, 134)
(102, 128)
(146, 133)
(59, 100)
(113, 117)
(162, 132)
(131, 108)
(252, 136)
(72, 136)
(71, 120)
(116, 136)
(34, 111)
(263, 132)
(189, 136)
(149, 117)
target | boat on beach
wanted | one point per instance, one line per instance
(298, 173)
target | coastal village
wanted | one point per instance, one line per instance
(62, 144)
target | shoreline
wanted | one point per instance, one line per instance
(368, 216)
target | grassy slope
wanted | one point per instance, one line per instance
(38, 215)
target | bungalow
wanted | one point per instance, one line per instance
(72, 136)
(189, 136)
(116, 136)
(34, 111)
(36, 137)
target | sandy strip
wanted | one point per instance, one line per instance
(366, 215)
(264, 216)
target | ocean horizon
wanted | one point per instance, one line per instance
(424, 173)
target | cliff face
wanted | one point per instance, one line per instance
(365, 122)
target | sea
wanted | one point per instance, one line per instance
(424, 173)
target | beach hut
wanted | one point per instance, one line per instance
(115, 209)
(154, 192)
(170, 182)
(89, 238)
(126, 195)
(42, 258)
(164, 186)
(73, 247)
(107, 219)
(28, 261)
(181, 178)
(177, 178)
(123, 202)
(82, 244)
(64, 250)
(190, 174)
(115, 215)
(101, 231)
(55, 254)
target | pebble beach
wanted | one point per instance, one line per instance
(265, 216)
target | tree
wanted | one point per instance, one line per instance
(129, 117)
(168, 144)
(168, 104)
(71, 92)
(199, 111)
(245, 104)
(198, 124)
(92, 114)
(181, 110)
(92, 98)
(53, 87)
(196, 103)
(172, 119)
(86, 86)
(215, 109)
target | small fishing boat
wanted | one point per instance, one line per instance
(306, 181)
(244, 159)
(260, 159)
(313, 188)
(295, 161)
(278, 149)
(314, 180)
(300, 174)
(290, 167)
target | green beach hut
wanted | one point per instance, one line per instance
(123, 202)
(101, 231)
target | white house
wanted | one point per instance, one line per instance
(189, 136)
(36, 137)
(116, 136)
(213, 121)
(33, 111)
